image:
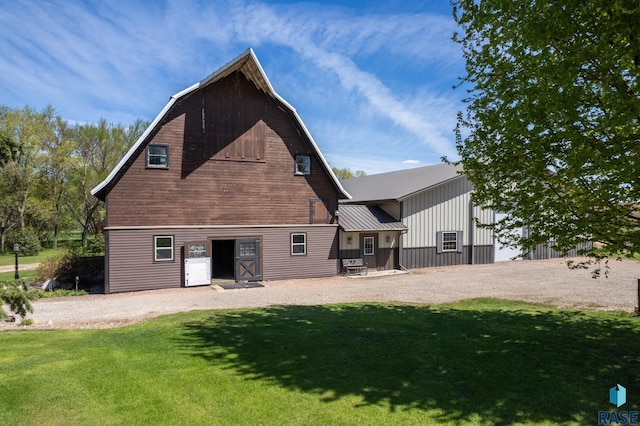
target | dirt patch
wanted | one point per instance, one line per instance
(548, 281)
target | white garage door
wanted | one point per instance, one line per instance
(504, 253)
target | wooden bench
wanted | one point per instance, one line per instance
(354, 266)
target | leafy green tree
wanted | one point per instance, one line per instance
(55, 173)
(99, 148)
(551, 133)
(346, 173)
(23, 131)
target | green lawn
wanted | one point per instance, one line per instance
(10, 259)
(475, 362)
(27, 276)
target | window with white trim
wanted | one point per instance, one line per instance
(298, 244)
(449, 241)
(163, 248)
(158, 156)
(369, 249)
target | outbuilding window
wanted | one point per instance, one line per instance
(449, 241)
(298, 244)
(158, 156)
(163, 248)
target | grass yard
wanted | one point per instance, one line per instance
(474, 362)
(27, 276)
(9, 259)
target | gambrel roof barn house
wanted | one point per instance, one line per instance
(226, 182)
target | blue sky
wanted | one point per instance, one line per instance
(372, 80)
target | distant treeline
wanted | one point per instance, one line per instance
(48, 167)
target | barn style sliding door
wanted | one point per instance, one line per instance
(248, 259)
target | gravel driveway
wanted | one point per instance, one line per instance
(547, 281)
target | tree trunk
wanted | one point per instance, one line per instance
(56, 230)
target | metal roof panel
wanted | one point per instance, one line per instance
(356, 217)
(399, 184)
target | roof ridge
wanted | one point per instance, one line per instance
(401, 171)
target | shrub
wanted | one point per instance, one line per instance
(17, 295)
(28, 240)
(95, 246)
(68, 265)
(59, 293)
(49, 267)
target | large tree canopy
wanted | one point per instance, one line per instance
(551, 133)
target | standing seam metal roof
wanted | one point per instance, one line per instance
(356, 217)
(400, 184)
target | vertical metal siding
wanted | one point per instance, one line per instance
(444, 208)
(426, 257)
(547, 251)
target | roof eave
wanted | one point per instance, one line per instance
(374, 230)
(370, 202)
(420, 191)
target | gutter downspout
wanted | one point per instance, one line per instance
(471, 233)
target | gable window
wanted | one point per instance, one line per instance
(298, 244)
(158, 156)
(163, 248)
(449, 241)
(303, 164)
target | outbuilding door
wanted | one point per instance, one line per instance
(504, 253)
(248, 259)
(368, 249)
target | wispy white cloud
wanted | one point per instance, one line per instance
(353, 75)
(264, 24)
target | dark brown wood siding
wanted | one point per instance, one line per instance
(231, 162)
(130, 265)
